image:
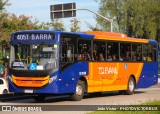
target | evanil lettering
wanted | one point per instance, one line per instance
(34, 37)
(107, 70)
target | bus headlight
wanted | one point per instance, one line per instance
(52, 79)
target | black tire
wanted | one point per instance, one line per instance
(131, 86)
(39, 98)
(5, 91)
(80, 88)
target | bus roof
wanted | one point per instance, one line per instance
(115, 36)
(95, 35)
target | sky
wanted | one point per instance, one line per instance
(40, 9)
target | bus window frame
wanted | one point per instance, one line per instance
(71, 36)
(105, 56)
(91, 46)
(153, 53)
(141, 44)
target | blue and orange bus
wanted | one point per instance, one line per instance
(47, 62)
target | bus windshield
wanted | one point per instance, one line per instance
(33, 56)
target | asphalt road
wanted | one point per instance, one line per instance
(109, 98)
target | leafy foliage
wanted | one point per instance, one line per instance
(11, 23)
(3, 3)
(53, 25)
(137, 18)
(75, 27)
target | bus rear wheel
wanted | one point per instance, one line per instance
(78, 95)
(131, 86)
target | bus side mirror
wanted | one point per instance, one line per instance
(5, 51)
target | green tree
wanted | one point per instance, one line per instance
(141, 18)
(138, 18)
(75, 25)
(57, 25)
(3, 4)
(53, 25)
(11, 23)
(112, 9)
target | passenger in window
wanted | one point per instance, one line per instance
(149, 58)
(95, 57)
(133, 56)
(69, 54)
(102, 50)
(114, 57)
(128, 49)
(101, 57)
(127, 58)
(121, 59)
(144, 57)
(139, 58)
(109, 58)
(79, 58)
(86, 56)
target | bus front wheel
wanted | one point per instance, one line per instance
(131, 86)
(78, 95)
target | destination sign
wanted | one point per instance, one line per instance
(44, 36)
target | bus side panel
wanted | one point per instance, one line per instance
(71, 75)
(149, 75)
(110, 76)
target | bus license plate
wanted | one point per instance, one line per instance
(28, 91)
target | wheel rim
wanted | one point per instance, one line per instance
(5, 92)
(131, 85)
(78, 90)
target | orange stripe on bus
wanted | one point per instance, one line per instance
(115, 37)
(30, 81)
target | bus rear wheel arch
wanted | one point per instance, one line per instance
(131, 86)
(80, 89)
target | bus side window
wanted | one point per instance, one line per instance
(148, 53)
(99, 50)
(112, 51)
(70, 54)
(67, 54)
(145, 48)
(151, 53)
(84, 50)
(125, 51)
(136, 52)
